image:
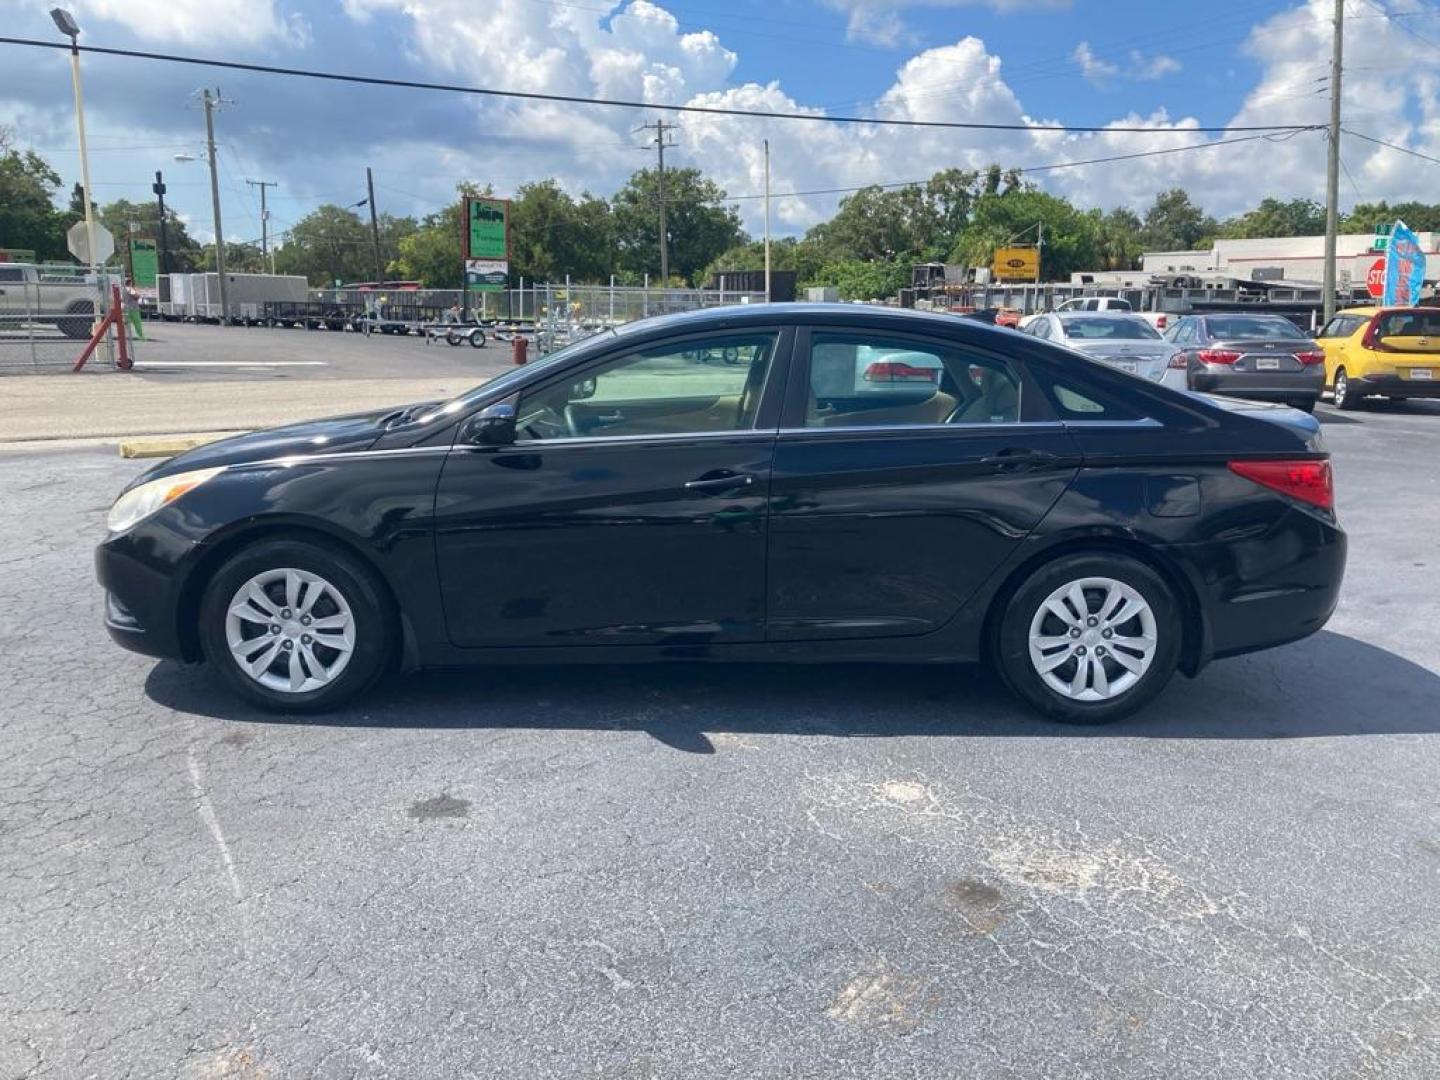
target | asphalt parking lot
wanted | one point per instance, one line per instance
(725, 872)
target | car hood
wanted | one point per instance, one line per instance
(331, 435)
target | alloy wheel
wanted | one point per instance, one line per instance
(1092, 639)
(290, 630)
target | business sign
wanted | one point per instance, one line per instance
(487, 229)
(486, 275)
(1404, 268)
(1016, 264)
(143, 264)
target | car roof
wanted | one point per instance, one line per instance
(1081, 315)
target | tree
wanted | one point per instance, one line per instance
(918, 222)
(1174, 223)
(124, 218)
(858, 279)
(1119, 239)
(1072, 237)
(805, 257)
(1297, 217)
(28, 217)
(328, 244)
(553, 235)
(1364, 217)
(700, 226)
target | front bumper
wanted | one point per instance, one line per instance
(142, 597)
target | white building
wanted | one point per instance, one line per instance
(1289, 258)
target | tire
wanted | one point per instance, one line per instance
(349, 594)
(1304, 404)
(78, 329)
(477, 339)
(1100, 699)
(1347, 395)
(1399, 402)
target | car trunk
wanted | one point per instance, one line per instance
(1265, 355)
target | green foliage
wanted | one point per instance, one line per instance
(184, 255)
(28, 216)
(1174, 223)
(1072, 237)
(858, 279)
(920, 223)
(1364, 217)
(700, 227)
(328, 243)
(1298, 217)
(552, 235)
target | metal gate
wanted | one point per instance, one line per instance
(45, 323)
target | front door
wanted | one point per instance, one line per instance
(631, 509)
(906, 472)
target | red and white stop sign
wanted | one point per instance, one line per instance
(1375, 279)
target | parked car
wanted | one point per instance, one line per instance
(1160, 320)
(1394, 352)
(1260, 357)
(1121, 340)
(29, 296)
(1085, 531)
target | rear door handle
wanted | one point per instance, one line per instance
(1020, 458)
(710, 483)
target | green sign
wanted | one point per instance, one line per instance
(143, 265)
(488, 234)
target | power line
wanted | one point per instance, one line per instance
(570, 99)
(1392, 146)
(1043, 168)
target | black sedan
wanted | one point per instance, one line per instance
(787, 482)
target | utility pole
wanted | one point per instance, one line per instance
(767, 221)
(264, 221)
(211, 104)
(1332, 165)
(159, 189)
(374, 226)
(660, 127)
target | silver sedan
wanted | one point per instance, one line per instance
(1123, 341)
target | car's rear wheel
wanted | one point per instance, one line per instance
(1347, 394)
(296, 626)
(1090, 638)
(1304, 404)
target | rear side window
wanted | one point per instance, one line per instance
(1408, 324)
(859, 380)
(1078, 401)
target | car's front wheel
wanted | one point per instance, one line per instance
(296, 625)
(1090, 637)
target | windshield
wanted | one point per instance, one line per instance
(1253, 326)
(1111, 329)
(463, 402)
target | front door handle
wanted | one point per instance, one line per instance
(722, 481)
(1017, 458)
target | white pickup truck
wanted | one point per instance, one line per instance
(28, 295)
(1160, 320)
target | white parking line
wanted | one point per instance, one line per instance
(206, 809)
(229, 363)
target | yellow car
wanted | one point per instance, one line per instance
(1390, 351)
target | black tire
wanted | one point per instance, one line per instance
(452, 338)
(1012, 649)
(372, 611)
(78, 329)
(1304, 404)
(477, 339)
(1347, 394)
(1399, 402)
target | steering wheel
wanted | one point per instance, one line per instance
(548, 423)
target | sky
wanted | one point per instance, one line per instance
(1167, 66)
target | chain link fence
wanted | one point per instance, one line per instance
(46, 319)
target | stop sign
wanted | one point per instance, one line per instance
(1375, 279)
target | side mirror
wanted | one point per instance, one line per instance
(584, 388)
(493, 425)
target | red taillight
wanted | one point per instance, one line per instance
(895, 371)
(1218, 356)
(1161, 322)
(1178, 362)
(1308, 481)
(1371, 340)
(1310, 357)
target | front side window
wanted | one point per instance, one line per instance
(695, 386)
(857, 379)
(11, 273)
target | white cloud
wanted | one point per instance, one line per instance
(1091, 66)
(880, 22)
(1141, 68)
(199, 22)
(1153, 67)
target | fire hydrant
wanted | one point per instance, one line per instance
(518, 348)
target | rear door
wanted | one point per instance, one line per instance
(888, 511)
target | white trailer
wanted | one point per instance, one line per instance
(247, 295)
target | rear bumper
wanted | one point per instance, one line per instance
(1270, 386)
(1395, 386)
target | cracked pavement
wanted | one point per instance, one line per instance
(746, 871)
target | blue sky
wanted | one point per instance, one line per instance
(1169, 66)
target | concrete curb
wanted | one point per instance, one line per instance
(166, 447)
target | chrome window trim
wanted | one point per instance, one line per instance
(1142, 422)
(572, 440)
(969, 426)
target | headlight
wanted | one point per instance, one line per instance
(139, 503)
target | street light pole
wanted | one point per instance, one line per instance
(767, 221)
(1332, 164)
(67, 25)
(159, 189)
